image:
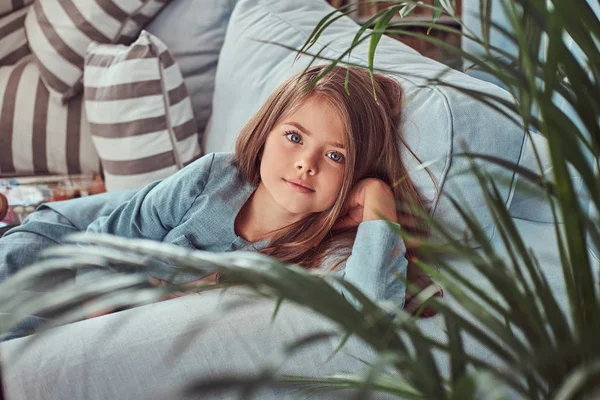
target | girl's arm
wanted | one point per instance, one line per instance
(377, 262)
(153, 211)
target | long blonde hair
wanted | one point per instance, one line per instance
(371, 140)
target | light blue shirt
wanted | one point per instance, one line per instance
(196, 209)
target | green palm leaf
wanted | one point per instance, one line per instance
(544, 351)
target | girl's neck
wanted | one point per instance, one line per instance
(260, 217)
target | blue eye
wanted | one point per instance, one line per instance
(293, 137)
(335, 156)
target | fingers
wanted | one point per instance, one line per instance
(352, 212)
(155, 281)
(207, 280)
(89, 315)
(345, 222)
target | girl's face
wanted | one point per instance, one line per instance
(302, 166)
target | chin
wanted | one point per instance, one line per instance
(290, 206)
(302, 212)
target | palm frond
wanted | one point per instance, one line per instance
(544, 351)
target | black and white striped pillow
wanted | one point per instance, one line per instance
(59, 32)
(38, 135)
(13, 41)
(140, 113)
(8, 6)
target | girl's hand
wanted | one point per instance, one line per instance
(90, 315)
(207, 280)
(371, 199)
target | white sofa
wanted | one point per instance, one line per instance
(152, 350)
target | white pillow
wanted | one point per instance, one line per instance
(8, 6)
(140, 113)
(13, 41)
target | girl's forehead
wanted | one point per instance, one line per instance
(316, 107)
(319, 101)
(319, 117)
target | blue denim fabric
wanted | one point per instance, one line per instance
(20, 247)
(196, 209)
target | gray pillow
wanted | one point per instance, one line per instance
(435, 118)
(194, 31)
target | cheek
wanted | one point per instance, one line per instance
(269, 157)
(275, 150)
(335, 180)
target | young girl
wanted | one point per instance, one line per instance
(315, 174)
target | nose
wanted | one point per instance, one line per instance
(307, 164)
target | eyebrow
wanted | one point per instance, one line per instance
(303, 129)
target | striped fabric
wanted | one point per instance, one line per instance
(139, 20)
(8, 6)
(60, 31)
(140, 113)
(13, 42)
(38, 135)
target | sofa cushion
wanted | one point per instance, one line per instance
(541, 240)
(13, 42)
(8, 6)
(59, 32)
(195, 43)
(140, 113)
(435, 119)
(37, 134)
(529, 202)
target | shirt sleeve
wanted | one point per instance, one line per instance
(159, 207)
(376, 264)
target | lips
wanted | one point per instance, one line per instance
(298, 186)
